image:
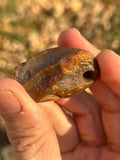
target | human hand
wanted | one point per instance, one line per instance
(44, 131)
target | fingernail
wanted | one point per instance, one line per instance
(8, 103)
(76, 30)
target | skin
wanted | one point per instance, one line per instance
(44, 131)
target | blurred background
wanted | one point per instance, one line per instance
(30, 26)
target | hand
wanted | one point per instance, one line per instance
(45, 131)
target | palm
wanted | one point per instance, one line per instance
(83, 135)
(92, 139)
(86, 135)
(86, 152)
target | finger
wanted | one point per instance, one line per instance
(109, 63)
(110, 113)
(28, 127)
(86, 112)
(72, 38)
(62, 123)
(64, 126)
(108, 99)
(108, 93)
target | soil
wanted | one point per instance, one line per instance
(30, 26)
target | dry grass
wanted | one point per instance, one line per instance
(29, 26)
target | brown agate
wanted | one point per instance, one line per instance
(57, 73)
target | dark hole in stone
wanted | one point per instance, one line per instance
(90, 75)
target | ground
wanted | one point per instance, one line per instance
(30, 26)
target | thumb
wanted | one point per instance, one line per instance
(29, 129)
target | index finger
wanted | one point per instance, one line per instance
(72, 38)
